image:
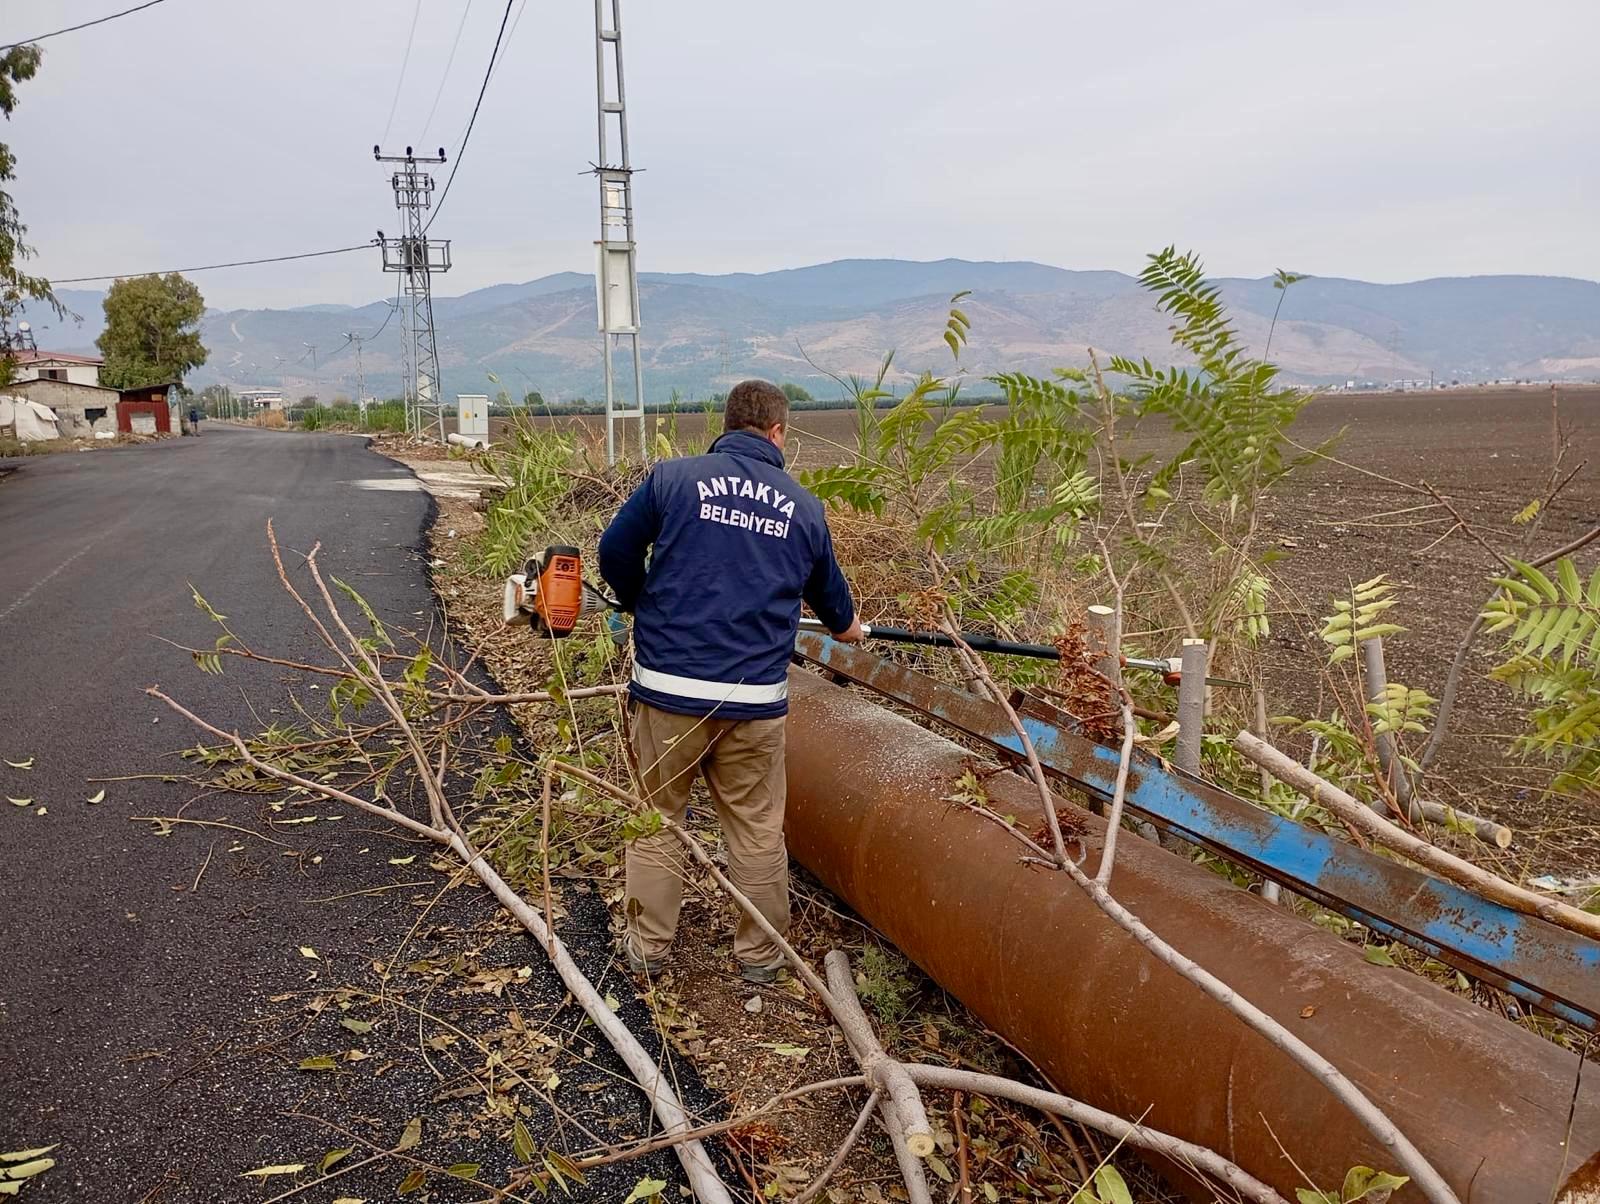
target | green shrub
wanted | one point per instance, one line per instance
(390, 416)
(535, 467)
(1551, 623)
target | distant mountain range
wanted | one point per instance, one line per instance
(703, 332)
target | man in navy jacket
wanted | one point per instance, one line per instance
(713, 554)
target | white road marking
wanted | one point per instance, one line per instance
(46, 579)
(470, 495)
(438, 484)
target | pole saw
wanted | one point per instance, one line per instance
(1170, 668)
(550, 595)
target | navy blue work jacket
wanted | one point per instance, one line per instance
(713, 555)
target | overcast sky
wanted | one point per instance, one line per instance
(1381, 139)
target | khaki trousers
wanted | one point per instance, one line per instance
(742, 761)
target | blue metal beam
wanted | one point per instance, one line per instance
(1547, 966)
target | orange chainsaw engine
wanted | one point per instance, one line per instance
(549, 594)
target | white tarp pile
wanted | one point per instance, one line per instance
(27, 421)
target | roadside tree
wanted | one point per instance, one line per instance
(216, 401)
(152, 331)
(16, 286)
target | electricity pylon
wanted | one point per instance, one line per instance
(616, 268)
(418, 257)
(351, 337)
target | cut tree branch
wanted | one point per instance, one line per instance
(814, 1189)
(1185, 1153)
(838, 996)
(1361, 817)
(1411, 1160)
(896, 1097)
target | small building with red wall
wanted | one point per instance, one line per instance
(146, 410)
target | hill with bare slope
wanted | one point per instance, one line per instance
(701, 332)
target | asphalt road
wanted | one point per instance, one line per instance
(121, 979)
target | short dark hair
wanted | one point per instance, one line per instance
(755, 405)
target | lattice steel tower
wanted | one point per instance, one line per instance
(418, 257)
(616, 267)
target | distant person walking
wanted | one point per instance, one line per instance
(194, 420)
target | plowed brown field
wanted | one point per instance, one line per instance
(1488, 451)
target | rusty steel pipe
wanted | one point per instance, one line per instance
(1030, 954)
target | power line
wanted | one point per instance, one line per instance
(401, 82)
(350, 339)
(511, 36)
(211, 267)
(466, 137)
(498, 60)
(448, 63)
(394, 308)
(74, 28)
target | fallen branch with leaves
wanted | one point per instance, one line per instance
(420, 719)
(363, 667)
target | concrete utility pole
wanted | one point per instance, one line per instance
(361, 376)
(417, 257)
(408, 378)
(616, 268)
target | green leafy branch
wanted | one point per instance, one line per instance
(211, 662)
(1552, 633)
(1229, 404)
(1359, 617)
(534, 466)
(1400, 709)
(957, 325)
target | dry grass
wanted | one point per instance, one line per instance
(10, 447)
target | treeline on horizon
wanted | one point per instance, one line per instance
(713, 405)
(534, 403)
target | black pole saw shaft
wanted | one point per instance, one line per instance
(987, 643)
(933, 639)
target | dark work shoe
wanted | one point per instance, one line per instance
(640, 965)
(760, 975)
